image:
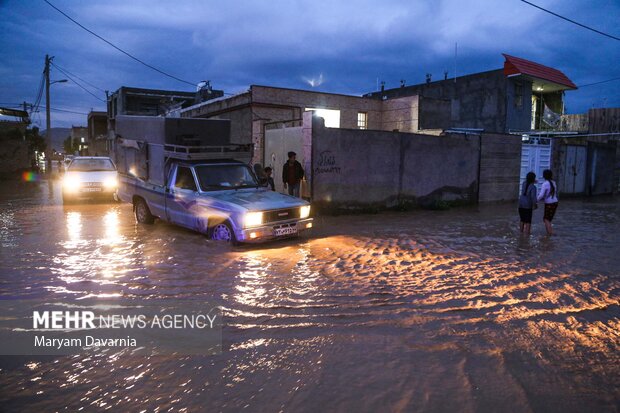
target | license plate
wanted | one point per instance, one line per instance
(91, 190)
(278, 232)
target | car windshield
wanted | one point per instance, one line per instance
(219, 177)
(87, 165)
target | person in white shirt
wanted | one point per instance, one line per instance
(549, 194)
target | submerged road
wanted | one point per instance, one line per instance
(417, 311)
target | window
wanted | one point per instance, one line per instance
(519, 95)
(331, 116)
(362, 120)
(225, 176)
(91, 164)
(185, 179)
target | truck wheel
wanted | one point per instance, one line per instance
(143, 214)
(223, 232)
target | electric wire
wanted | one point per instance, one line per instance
(572, 21)
(79, 85)
(77, 77)
(598, 83)
(118, 48)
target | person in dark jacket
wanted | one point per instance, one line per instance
(527, 202)
(292, 174)
(270, 182)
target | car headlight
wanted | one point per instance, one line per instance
(304, 211)
(70, 183)
(110, 183)
(253, 219)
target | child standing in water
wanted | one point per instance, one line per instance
(527, 202)
(549, 194)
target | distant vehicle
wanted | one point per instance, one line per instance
(207, 188)
(90, 177)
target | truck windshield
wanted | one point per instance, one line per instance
(86, 165)
(219, 177)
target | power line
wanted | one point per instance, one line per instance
(82, 87)
(65, 110)
(118, 48)
(77, 77)
(571, 21)
(602, 81)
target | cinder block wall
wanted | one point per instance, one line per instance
(500, 166)
(357, 169)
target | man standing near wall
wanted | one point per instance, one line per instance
(292, 174)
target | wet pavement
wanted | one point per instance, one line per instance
(417, 311)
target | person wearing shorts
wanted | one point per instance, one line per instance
(549, 194)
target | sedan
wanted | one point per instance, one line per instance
(90, 177)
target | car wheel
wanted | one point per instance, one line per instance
(223, 232)
(143, 214)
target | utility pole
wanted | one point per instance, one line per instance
(48, 122)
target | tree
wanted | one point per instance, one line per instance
(35, 141)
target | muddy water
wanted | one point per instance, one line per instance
(418, 311)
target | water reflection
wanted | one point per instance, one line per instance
(449, 311)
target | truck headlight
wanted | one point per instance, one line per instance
(253, 219)
(70, 183)
(110, 183)
(304, 211)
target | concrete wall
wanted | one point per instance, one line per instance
(249, 112)
(500, 167)
(355, 169)
(399, 114)
(481, 100)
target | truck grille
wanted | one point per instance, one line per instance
(280, 215)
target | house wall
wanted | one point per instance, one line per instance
(249, 112)
(482, 100)
(500, 167)
(400, 114)
(358, 169)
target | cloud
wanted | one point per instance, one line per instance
(289, 43)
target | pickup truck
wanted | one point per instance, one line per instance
(220, 197)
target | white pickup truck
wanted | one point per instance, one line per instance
(205, 189)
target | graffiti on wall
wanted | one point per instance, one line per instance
(326, 164)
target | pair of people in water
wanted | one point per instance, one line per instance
(528, 201)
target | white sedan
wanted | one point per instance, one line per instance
(90, 177)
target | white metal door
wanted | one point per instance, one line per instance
(535, 157)
(278, 142)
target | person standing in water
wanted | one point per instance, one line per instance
(549, 194)
(527, 202)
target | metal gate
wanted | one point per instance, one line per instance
(278, 142)
(573, 179)
(535, 157)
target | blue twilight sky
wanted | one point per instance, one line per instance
(346, 46)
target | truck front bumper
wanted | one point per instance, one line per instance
(274, 230)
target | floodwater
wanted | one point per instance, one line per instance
(418, 311)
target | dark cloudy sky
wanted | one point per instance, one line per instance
(288, 43)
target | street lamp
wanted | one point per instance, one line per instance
(48, 122)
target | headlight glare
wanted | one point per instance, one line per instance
(304, 211)
(253, 219)
(70, 183)
(110, 183)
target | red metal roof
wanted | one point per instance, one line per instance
(518, 66)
